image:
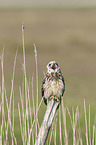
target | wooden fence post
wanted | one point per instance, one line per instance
(47, 122)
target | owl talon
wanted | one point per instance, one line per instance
(52, 97)
(55, 98)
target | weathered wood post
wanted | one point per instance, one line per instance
(47, 122)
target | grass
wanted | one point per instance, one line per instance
(58, 36)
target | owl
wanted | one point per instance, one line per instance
(53, 85)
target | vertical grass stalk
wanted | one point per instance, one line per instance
(36, 86)
(86, 123)
(64, 122)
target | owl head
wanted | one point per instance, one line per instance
(53, 67)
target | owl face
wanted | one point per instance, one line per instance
(53, 67)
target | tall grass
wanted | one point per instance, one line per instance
(28, 109)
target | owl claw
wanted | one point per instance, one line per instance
(55, 98)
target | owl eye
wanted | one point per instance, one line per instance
(49, 64)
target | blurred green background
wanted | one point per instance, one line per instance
(61, 31)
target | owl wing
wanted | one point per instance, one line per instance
(63, 90)
(42, 90)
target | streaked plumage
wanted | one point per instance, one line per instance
(53, 85)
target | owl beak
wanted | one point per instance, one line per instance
(53, 67)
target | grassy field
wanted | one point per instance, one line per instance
(67, 36)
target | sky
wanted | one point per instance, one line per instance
(45, 2)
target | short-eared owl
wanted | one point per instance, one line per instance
(53, 85)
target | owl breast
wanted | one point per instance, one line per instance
(53, 88)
